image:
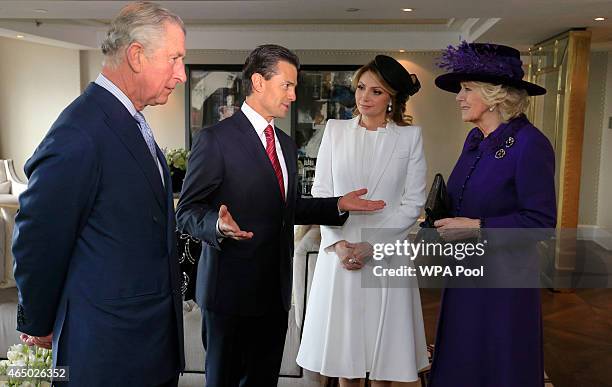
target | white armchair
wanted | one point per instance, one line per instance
(10, 189)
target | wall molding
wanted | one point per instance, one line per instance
(601, 100)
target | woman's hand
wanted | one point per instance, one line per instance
(362, 251)
(346, 255)
(453, 229)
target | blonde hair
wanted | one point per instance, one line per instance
(510, 101)
(398, 101)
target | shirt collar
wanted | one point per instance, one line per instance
(107, 84)
(354, 123)
(258, 122)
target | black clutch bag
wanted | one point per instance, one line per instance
(437, 204)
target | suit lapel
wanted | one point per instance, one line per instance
(167, 183)
(290, 163)
(255, 148)
(175, 276)
(353, 149)
(171, 224)
(126, 128)
(384, 151)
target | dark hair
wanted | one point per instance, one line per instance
(263, 60)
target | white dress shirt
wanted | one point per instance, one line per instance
(260, 124)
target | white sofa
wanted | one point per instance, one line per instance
(8, 319)
(10, 188)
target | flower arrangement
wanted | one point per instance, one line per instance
(22, 362)
(177, 159)
(177, 162)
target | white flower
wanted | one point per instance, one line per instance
(15, 355)
(18, 348)
(21, 355)
(3, 366)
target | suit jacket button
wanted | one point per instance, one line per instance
(155, 219)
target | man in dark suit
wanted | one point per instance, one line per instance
(247, 165)
(94, 246)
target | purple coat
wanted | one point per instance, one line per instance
(493, 337)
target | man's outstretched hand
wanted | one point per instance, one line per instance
(352, 202)
(228, 226)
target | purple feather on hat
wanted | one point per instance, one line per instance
(485, 62)
(469, 59)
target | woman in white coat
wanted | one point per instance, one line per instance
(354, 327)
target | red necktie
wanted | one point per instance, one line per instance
(271, 151)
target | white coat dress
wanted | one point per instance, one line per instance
(351, 329)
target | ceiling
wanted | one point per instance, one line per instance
(322, 24)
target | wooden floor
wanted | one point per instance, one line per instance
(577, 335)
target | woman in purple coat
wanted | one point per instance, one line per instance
(504, 178)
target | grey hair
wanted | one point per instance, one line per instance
(510, 101)
(141, 22)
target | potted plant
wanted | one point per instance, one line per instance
(177, 162)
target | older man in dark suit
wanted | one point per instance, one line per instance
(94, 245)
(247, 165)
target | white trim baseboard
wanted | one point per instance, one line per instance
(601, 236)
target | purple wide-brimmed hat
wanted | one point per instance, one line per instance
(484, 62)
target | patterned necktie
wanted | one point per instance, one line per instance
(271, 151)
(147, 133)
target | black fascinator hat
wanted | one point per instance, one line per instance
(396, 75)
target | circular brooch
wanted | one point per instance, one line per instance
(500, 154)
(509, 142)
